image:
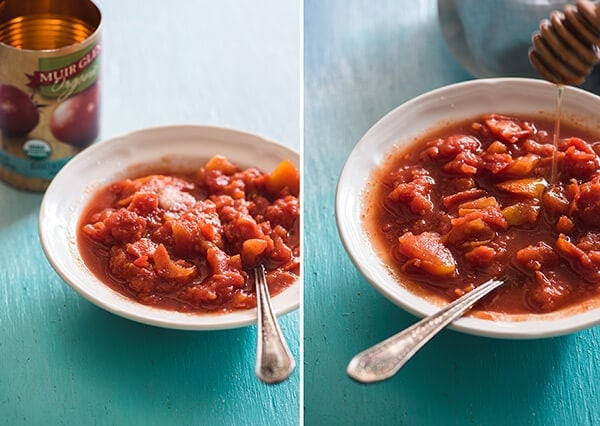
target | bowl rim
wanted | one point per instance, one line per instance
(113, 301)
(353, 238)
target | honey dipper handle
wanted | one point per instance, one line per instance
(565, 48)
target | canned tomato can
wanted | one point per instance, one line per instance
(49, 86)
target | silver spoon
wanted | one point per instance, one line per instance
(383, 360)
(274, 362)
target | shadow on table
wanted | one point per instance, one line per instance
(16, 204)
(476, 375)
(113, 352)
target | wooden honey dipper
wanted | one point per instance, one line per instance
(565, 48)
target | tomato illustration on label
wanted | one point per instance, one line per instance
(75, 120)
(18, 113)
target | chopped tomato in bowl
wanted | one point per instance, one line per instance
(189, 242)
(467, 183)
(164, 226)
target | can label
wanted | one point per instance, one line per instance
(49, 109)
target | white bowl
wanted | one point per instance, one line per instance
(412, 119)
(177, 147)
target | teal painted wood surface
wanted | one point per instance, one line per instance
(362, 59)
(63, 361)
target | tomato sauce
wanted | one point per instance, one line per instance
(189, 242)
(476, 200)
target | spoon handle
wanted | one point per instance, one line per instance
(274, 362)
(383, 360)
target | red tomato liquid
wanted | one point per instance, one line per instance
(189, 242)
(474, 200)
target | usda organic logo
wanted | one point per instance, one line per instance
(37, 149)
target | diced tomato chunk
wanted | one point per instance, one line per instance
(451, 146)
(415, 192)
(580, 159)
(481, 255)
(426, 252)
(588, 203)
(506, 128)
(125, 226)
(534, 257)
(548, 294)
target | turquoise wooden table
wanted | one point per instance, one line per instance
(63, 361)
(362, 59)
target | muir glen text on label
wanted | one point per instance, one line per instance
(63, 82)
